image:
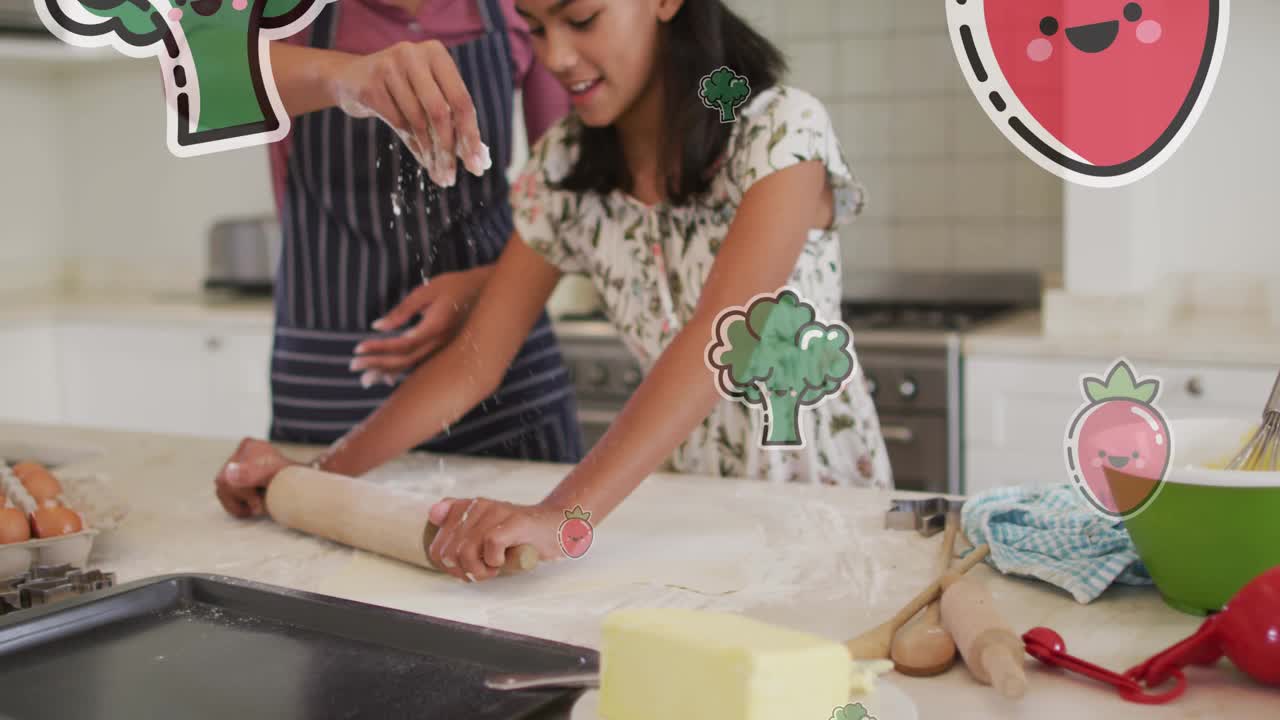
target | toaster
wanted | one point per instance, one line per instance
(243, 254)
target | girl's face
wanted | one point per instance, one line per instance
(605, 52)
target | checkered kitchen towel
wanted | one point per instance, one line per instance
(1051, 534)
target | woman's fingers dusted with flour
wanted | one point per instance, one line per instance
(417, 90)
(476, 533)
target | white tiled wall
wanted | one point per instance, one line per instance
(31, 212)
(947, 191)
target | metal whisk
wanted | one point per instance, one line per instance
(1262, 450)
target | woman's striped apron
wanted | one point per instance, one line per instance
(362, 226)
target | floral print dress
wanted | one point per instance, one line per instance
(648, 263)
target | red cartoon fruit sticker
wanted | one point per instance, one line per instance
(1118, 443)
(1099, 92)
(575, 533)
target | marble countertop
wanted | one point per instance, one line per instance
(822, 562)
(1215, 340)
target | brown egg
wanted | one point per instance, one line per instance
(55, 521)
(14, 527)
(41, 484)
(27, 466)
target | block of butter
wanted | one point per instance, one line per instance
(679, 664)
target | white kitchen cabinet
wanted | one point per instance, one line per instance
(165, 378)
(1016, 410)
(133, 377)
(28, 374)
(238, 367)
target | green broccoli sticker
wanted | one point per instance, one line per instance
(724, 90)
(775, 354)
(212, 53)
(852, 711)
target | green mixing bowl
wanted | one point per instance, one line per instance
(1208, 532)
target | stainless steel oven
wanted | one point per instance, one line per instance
(912, 383)
(603, 371)
(907, 329)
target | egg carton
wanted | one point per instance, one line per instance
(88, 495)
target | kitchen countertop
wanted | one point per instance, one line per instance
(222, 311)
(822, 562)
(1216, 340)
(255, 313)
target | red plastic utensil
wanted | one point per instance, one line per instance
(1048, 647)
(1246, 630)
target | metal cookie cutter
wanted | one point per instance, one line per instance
(927, 516)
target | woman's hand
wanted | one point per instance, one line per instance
(241, 481)
(416, 89)
(475, 533)
(444, 304)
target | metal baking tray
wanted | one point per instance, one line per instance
(203, 646)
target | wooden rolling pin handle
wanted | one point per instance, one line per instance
(1003, 669)
(993, 653)
(521, 558)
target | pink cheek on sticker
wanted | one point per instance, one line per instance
(1142, 464)
(1096, 462)
(175, 14)
(1149, 32)
(1039, 50)
(239, 4)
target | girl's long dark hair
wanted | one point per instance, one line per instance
(703, 36)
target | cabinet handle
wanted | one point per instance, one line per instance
(898, 434)
(1194, 387)
(213, 342)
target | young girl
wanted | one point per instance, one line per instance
(675, 217)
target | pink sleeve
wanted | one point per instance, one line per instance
(278, 152)
(545, 101)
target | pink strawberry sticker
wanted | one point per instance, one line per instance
(575, 533)
(1098, 92)
(1118, 443)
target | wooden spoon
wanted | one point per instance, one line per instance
(874, 644)
(925, 648)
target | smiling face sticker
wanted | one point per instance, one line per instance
(1098, 92)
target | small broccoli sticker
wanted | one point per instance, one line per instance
(776, 354)
(724, 90)
(852, 711)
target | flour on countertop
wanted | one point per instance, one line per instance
(760, 547)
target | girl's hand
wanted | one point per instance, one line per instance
(444, 304)
(241, 481)
(475, 533)
(416, 89)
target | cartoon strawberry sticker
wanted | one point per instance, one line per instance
(575, 533)
(1098, 92)
(1119, 431)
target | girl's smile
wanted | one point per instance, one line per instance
(581, 93)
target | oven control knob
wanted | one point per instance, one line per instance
(631, 379)
(907, 388)
(597, 375)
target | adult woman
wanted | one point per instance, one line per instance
(373, 86)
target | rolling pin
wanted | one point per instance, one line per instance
(992, 652)
(361, 514)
